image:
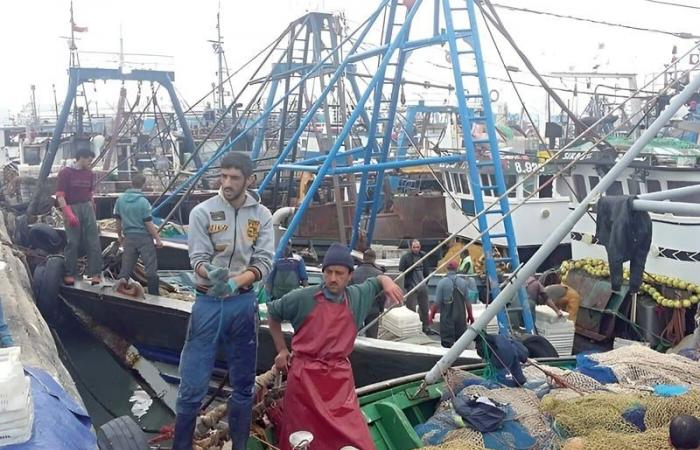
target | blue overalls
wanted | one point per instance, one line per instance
(232, 323)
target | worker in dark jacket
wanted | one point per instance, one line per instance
(453, 296)
(412, 279)
(363, 272)
(288, 273)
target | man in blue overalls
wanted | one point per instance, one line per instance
(288, 273)
(230, 244)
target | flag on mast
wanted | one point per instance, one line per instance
(79, 29)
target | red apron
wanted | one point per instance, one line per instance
(320, 396)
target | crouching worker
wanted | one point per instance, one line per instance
(231, 246)
(137, 233)
(320, 396)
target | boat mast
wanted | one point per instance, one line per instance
(529, 268)
(219, 49)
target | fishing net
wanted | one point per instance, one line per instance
(619, 412)
(660, 410)
(570, 378)
(525, 405)
(641, 366)
(456, 444)
(656, 439)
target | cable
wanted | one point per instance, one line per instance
(682, 35)
(673, 4)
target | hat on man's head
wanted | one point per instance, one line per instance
(452, 265)
(338, 255)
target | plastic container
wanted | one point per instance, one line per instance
(402, 322)
(20, 430)
(14, 385)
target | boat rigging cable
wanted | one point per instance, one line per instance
(673, 4)
(682, 35)
(535, 171)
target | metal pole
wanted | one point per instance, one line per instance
(517, 279)
(656, 206)
(671, 193)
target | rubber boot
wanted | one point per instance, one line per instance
(153, 285)
(184, 431)
(239, 417)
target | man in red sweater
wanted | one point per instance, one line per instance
(76, 184)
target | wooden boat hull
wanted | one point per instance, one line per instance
(158, 326)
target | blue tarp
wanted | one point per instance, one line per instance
(59, 422)
(587, 366)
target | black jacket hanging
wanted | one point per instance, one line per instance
(626, 235)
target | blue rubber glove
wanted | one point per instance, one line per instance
(216, 273)
(223, 289)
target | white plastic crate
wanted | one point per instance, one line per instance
(13, 394)
(19, 431)
(14, 385)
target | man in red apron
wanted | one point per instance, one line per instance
(320, 396)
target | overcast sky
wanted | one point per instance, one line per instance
(34, 53)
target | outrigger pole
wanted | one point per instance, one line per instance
(517, 279)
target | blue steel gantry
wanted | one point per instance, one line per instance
(454, 24)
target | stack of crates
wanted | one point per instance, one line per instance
(16, 405)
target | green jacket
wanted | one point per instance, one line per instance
(296, 306)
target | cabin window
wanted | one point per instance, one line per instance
(486, 181)
(688, 198)
(614, 189)
(653, 185)
(529, 186)
(633, 187)
(455, 181)
(465, 182)
(593, 181)
(448, 182)
(546, 191)
(510, 182)
(579, 186)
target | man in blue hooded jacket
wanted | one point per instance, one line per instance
(137, 233)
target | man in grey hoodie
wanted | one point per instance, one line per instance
(137, 233)
(230, 242)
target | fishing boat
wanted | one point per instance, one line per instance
(157, 326)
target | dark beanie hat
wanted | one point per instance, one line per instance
(338, 255)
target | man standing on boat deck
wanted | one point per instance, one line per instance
(288, 273)
(74, 189)
(320, 396)
(137, 233)
(413, 279)
(454, 296)
(362, 273)
(230, 244)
